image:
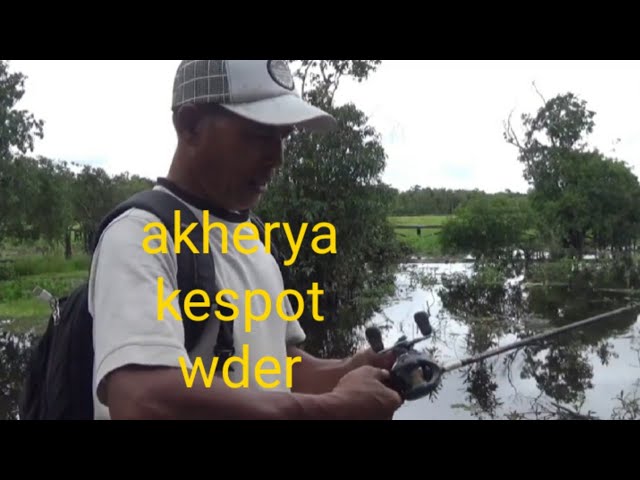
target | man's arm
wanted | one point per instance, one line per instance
(161, 393)
(316, 375)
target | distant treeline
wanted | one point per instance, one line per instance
(53, 201)
(437, 201)
(579, 200)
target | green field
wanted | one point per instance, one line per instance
(21, 274)
(419, 220)
(427, 243)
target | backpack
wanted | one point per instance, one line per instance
(59, 378)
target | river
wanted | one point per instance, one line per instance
(593, 372)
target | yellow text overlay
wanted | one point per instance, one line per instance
(181, 237)
(266, 366)
(202, 300)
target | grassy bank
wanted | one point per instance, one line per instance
(425, 245)
(20, 275)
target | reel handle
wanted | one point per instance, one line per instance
(374, 338)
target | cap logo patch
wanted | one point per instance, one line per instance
(279, 71)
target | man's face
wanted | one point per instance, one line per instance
(237, 158)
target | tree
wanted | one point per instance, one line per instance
(39, 205)
(18, 131)
(18, 128)
(558, 128)
(335, 178)
(94, 193)
(432, 201)
(490, 228)
(580, 194)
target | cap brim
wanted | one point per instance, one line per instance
(285, 110)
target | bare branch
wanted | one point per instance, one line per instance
(324, 75)
(339, 73)
(304, 78)
(538, 92)
(510, 134)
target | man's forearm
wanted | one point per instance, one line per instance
(314, 375)
(162, 394)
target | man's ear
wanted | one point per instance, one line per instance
(187, 121)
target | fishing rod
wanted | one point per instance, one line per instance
(415, 374)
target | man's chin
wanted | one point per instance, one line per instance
(250, 202)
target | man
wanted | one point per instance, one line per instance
(231, 117)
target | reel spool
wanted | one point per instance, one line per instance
(414, 374)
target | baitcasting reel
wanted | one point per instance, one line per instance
(414, 374)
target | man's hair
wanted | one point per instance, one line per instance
(209, 109)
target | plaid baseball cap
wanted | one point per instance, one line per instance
(260, 90)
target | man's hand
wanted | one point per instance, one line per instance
(363, 394)
(315, 375)
(371, 358)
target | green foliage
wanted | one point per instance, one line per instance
(37, 199)
(39, 265)
(482, 297)
(431, 201)
(582, 197)
(321, 78)
(18, 128)
(490, 227)
(57, 283)
(24, 315)
(7, 271)
(335, 178)
(614, 200)
(571, 360)
(52, 201)
(559, 271)
(43, 199)
(629, 408)
(615, 273)
(94, 193)
(555, 131)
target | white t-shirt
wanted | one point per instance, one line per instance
(124, 296)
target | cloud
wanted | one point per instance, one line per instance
(451, 113)
(114, 111)
(441, 122)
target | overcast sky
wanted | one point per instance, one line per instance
(441, 121)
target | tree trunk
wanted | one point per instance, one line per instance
(67, 244)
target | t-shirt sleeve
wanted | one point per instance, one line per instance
(125, 298)
(295, 332)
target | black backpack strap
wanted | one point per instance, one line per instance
(257, 221)
(195, 270)
(277, 255)
(275, 252)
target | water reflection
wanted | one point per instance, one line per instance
(14, 355)
(588, 373)
(580, 374)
